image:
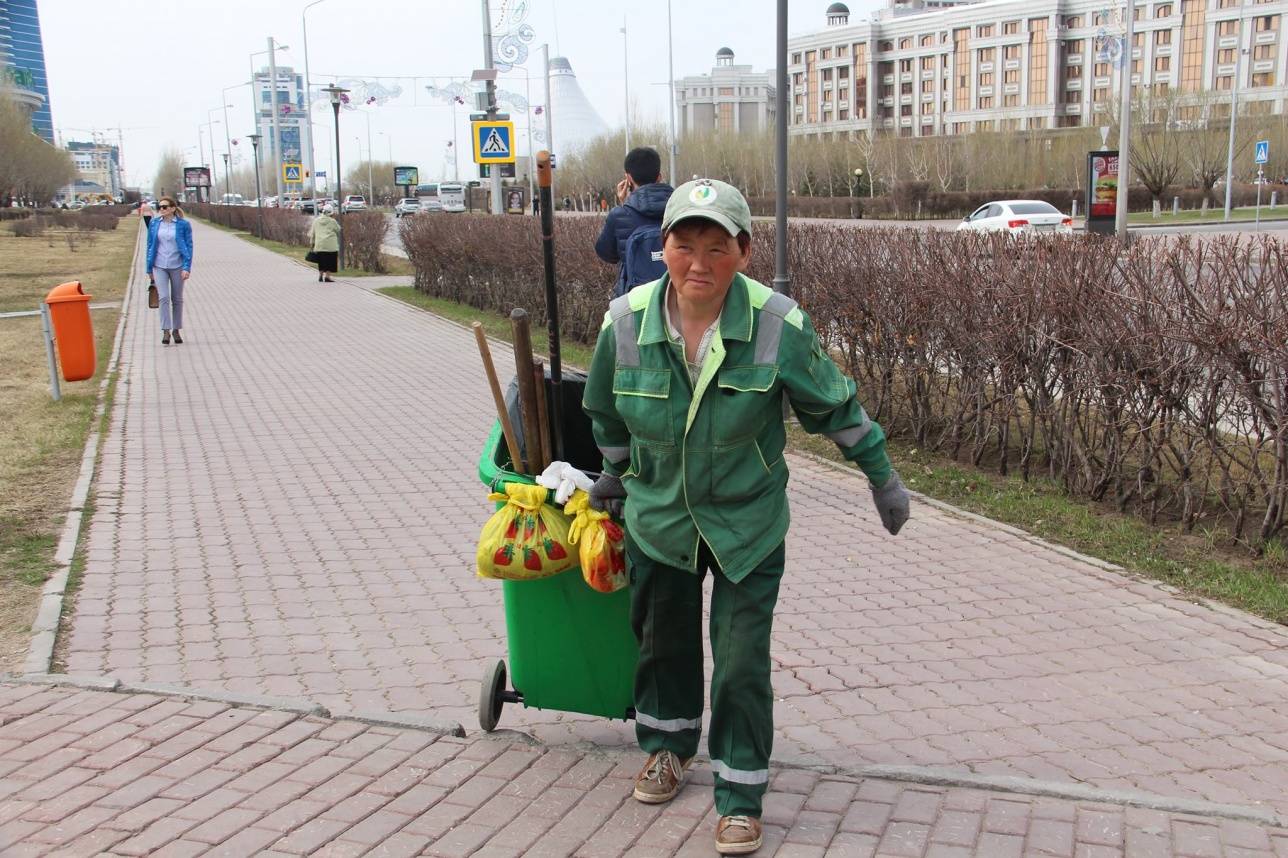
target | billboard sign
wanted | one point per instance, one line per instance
(406, 176)
(1102, 190)
(196, 177)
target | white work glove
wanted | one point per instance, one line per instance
(892, 503)
(563, 479)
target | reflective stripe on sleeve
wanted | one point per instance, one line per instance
(615, 454)
(668, 725)
(852, 435)
(628, 347)
(770, 332)
(739, 776)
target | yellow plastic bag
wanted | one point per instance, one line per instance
(600, 544)
(525, 539)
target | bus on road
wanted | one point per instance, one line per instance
(451, 195)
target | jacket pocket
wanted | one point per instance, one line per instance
(745, 395)
(643, 401)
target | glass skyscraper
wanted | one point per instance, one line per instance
(23, 55)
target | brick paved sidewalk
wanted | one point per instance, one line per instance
(287, 505)
(95, 773)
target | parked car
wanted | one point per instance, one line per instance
(407, 205)
(353, 203)
(1018, 217)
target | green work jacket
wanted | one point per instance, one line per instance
(705, 461)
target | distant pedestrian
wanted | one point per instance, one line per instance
(169, 263)
(536, 204)
(145, 212)
(632, 235)
(325, 233)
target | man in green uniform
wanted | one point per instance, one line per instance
(686, 397)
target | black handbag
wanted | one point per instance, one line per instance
(311, 256)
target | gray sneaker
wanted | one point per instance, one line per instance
(661, 778)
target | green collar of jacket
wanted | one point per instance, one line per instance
(735, 317)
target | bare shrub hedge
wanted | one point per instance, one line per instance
(364, 234)
(363, 231)
(1155, 377)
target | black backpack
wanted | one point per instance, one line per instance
(641, 258)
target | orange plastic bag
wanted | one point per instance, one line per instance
(600, 545)
(525, 539)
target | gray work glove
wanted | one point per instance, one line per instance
(607, 494)
(892, 503)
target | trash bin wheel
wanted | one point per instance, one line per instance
(492, 696)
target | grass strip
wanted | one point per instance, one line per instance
(1198, 565)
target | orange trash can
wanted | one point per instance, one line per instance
(73, 330)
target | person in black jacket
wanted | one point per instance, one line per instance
(641, 198)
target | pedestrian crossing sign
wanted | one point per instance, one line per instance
(493, 142)
(292, 173)
(1263, 151)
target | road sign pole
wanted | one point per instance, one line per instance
(497, 207)
(1260, 176)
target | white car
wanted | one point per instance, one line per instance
(432, 205)
(407, 205)
(1019, 217)
(353, 203)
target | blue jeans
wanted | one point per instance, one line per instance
(170, 291)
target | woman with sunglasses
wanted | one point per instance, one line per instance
(169, 263)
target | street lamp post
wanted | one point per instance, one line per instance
(670, 89)
(272, 104)
(371, 188)
(336, 94)
(308, 93)
(1234, 115)
(259, 196)
(626, 81)
(213, 160)
(357, 144)
(228, 138)
(1124, 124)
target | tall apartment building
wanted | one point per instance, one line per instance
(22, 63)
(289, 102)
(732, 98)
(98, 163)
(918, 70)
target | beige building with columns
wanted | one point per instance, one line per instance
(731, 98)
(927, 67)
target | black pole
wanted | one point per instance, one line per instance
(782, 280)
(544, 180)
(339, 197)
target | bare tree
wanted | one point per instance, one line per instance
(168, 178)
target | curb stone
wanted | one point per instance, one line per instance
(44, 630)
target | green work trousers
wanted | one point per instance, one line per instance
(666, 614)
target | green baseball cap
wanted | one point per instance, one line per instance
(711, 199)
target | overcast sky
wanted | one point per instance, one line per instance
(186, 51)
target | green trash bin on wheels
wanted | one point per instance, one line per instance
(571, 648)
